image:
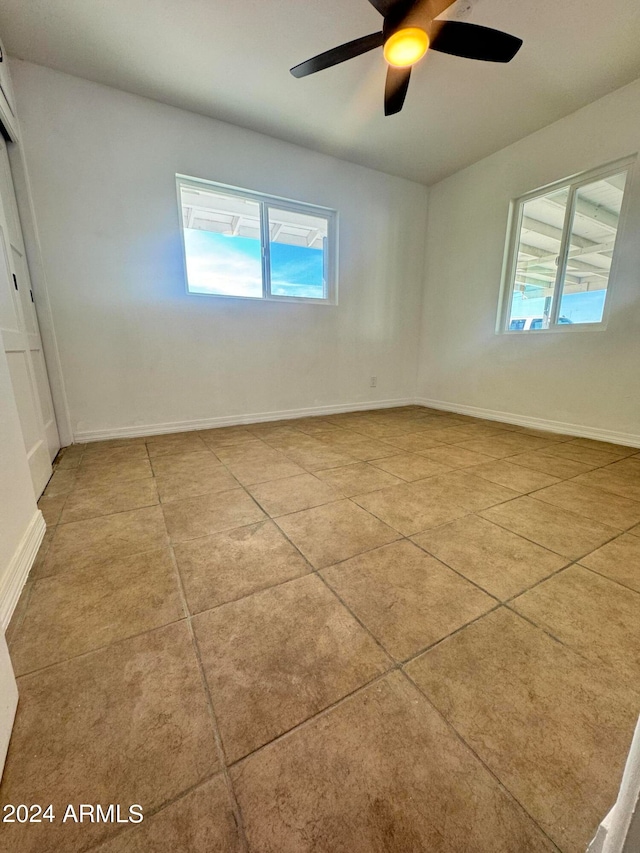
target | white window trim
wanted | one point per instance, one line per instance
(265, 201)
(510, 261)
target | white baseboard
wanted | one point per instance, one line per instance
(625, 438)
(235, 420)
(15, 576)
(628, 439)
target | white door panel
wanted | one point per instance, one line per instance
(9, 299)
(8, 699)
(21, 339)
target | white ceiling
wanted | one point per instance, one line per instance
(230, 58)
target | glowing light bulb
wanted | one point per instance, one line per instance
(405, 47)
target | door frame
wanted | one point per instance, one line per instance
(31, 238)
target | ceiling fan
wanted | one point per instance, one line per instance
(410, 28)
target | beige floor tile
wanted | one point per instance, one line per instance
(618, 449)
(250, 451)
(252, 472)
(285, 442)
(411, 466)
(440, 423)
(580, 453)
(618, 560)
(595, 616)
(113, 472)
(506, 444)
(465, 432)
(225, 436)
(319, 458)
(228, 566)
(563, 469)
(82, 544)
(112, 444)
(126, 724)
(99, 500)
(334, 532)
(415, 442)
(62, 482)
(75, 612)
(358, 478)
(297, 639)
(497, 560)
(407, 599)
(266, 447)
(383, 431)
(51, 508)
(190, 484)
(177, 442)
(101, 454)
(464, 488)
(292, 494)
(328, 434)
(515, 477)
(553, 728)
(207, 514)
(316, 426)
(621, 478)
(559, 530)
(456, 457)
(185, 463)
(380, 772)
(592, 503)
(635, 530)
(70, 457)
(200, 822)
(537, 433)
(631, 465)
(267, 427)
(364, 449)
(410, 508)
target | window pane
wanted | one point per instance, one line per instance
(222, 243)
(538, 249)
(298, 252)
(592, 238)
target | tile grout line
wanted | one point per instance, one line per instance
(462, 740)
(235, 807)
(606, 577)
(165, 804)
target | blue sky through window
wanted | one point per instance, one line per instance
(297, 271)
(232, 266)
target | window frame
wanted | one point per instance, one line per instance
(265, 203)
(510, 262)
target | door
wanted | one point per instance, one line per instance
(8, 699)
(21, 339)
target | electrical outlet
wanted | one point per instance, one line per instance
(374, 381)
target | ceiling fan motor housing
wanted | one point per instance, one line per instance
(414, 13)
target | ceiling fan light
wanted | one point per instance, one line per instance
(406, 46)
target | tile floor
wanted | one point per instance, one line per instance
(398, 630)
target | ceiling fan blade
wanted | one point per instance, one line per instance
(387, 7)
(474, 42)
(338, 54)
(395, 90)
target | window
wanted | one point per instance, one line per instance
(561, 251)
(244, 244)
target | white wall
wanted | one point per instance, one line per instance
(135, 350)
(590, 378)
